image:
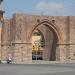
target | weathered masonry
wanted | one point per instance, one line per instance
(56, 32)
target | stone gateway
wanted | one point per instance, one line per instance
(37, 37)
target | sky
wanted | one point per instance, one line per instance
(39, 7)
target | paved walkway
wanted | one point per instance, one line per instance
(37, 69)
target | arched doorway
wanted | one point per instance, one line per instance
(37, 45)
(51, 38)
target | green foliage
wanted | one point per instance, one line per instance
(42, 43)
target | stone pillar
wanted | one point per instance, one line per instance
(1, 22)
(57, 53)
(0, 43)
(62, 49)
(4, 53)
(68, 39)
(47, 50)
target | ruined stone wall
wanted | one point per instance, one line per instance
(63, 25)
(25, 23)
(16, 31)
(21, 47)
(72, 38)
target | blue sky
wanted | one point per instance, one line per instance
(45, 7)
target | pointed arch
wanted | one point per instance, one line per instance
(48, 24)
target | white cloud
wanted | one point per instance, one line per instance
(47, 6)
